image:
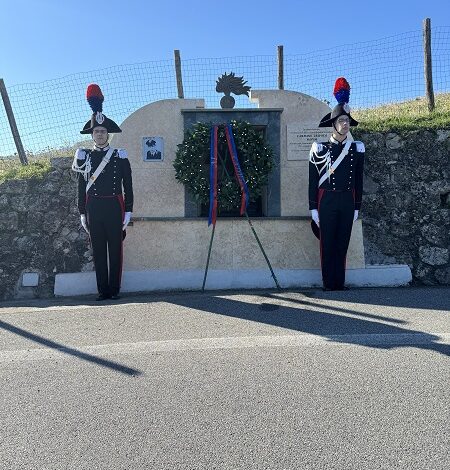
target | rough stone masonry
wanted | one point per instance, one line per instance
(406, 206)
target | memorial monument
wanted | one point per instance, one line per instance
(167, 242)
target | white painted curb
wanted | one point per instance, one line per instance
(69, 284)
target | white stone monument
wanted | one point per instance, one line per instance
(167, 243)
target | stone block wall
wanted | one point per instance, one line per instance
(40, 232)
(406, 205)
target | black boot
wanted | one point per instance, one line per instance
(102, 297)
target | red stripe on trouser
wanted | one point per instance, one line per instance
(122, 207)
(319, 198)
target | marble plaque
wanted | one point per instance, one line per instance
(300, 138)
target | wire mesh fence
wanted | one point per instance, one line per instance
(50, 114)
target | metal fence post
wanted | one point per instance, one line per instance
(280, 68)
(427, 63)
(12, 123)
(178, 73)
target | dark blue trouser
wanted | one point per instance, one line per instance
(104, 217)
(336, 211)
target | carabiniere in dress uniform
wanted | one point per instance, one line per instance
(335, 188)
(105, 196)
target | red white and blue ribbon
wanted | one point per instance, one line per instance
(245, 196)
(213, 177)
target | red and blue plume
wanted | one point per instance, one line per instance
(95, 98)
(341, 90)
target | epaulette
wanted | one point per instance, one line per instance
(80, 154)
(315, 149)
(122, 153)
(360, 146)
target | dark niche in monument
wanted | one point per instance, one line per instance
(229, 83)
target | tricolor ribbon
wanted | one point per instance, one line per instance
(245, 196)
(213, 177)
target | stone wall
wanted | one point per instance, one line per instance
(406, 206)
(406, 215)
(40, 232)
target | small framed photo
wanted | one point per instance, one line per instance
(152, 149)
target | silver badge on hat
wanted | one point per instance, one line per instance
(99, 118)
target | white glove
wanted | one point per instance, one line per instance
(355, 216)
(315, 216)
(84, 222)
(316, 148)
(126, 220)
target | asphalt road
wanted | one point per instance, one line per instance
(230, 380)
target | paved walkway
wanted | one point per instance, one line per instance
(228, 380)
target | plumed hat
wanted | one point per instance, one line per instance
(95, 99)
(342, 94)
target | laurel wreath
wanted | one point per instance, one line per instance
(193, 160)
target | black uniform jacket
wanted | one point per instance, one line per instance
(115, 176)
(348, 176)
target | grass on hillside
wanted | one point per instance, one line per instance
(406, 116)
(13, 169)
(38, 163)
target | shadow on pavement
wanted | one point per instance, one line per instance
(425, 297)
(68, 350)
(310, 312)
(334, 326)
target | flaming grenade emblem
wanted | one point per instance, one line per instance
(231, 84)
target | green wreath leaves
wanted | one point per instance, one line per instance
(192, 163)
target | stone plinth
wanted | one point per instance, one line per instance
(183, 244)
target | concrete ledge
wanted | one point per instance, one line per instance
(159, 280)
(390, 275)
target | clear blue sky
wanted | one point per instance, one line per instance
(45, 39)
